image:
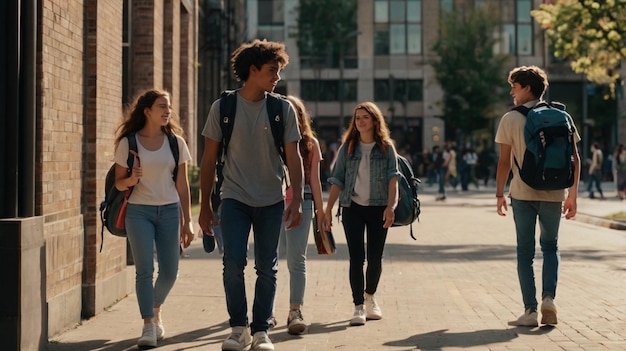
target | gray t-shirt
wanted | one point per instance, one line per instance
(253, 172)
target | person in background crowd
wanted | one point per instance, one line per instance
(595, 171)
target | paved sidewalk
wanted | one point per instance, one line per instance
(454, 288)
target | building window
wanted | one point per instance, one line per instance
(401, 90)
(397, 27)
(271, 19)
(327, 90)
(446, 6)
(516, 34)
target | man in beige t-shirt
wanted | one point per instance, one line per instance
(528, 85)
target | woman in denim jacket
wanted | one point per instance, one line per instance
(364, 178)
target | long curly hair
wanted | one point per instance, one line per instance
(135, 118)
(382, 136)
(308, 134)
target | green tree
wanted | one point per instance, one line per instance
(467, 69)
(590, 33)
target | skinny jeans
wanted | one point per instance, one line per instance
(293, 243)
(360, 222)
(149, 228)
(525, 215)
(265, 222)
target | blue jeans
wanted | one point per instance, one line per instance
(525, 214)
(148, 227)
(594, 178)
(293, 243)
(356, 219)
(237, 219)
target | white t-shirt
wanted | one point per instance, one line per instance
(362, 184)
(156, 186)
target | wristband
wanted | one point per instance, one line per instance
(499, 195)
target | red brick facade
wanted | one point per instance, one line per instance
(80, 102)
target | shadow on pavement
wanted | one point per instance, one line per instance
(209, 336)
(439, 339)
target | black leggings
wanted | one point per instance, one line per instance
(356, 219)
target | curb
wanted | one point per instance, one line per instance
(599, 221)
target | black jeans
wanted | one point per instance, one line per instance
(357, 221)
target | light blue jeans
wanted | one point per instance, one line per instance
(525, 214)
(148, 227)
(237, 219)
(293, 243)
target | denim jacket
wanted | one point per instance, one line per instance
(382, 169)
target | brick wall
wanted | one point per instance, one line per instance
(61, 113)
(79, 108)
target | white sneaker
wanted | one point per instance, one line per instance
(372, 308)
(160, 329)
(358, 318)
(528, 319)
(261, 342)
(295, 323)
(148, 338)
(238, 340)
(548, 311)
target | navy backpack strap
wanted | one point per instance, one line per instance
(132, 146)
(521, 109)
(277, 123)
(175, 152)
(228, 108)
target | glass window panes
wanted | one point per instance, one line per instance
(397, 11)
(524, 39)
(397, 27)
(271, 11)
(404, 90)
(397, 40)
(523, 11)
(381, 11)
(508, 39)
(414, 11)
(381, 39)
(414, 42)
(327, 90)
(446, 6)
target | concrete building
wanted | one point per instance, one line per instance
(387, 60)
(69, 68)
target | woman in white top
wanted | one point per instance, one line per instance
(159, 198)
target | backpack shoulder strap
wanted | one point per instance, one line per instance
(175, 152)
(132, 146)
(228, 110)
(521, 109)
(277, 123)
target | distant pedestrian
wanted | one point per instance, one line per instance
(365, 179)
(252, 192)
(528, 85)
(294, 241)
(595, 171)
(619, 160)
(155, 207)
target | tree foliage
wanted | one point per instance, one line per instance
(590, 33)
(467, 69)
(324, 26)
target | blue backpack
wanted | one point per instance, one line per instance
(408, 208)
(549, 157)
